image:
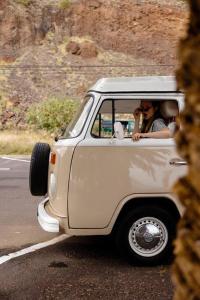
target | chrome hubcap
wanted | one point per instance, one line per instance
(148, 236)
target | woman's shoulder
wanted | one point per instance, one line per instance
(158, 120)
(158, 124)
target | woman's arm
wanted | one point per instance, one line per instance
(136, 114)
(136, 127)
(159, 131)
(161, 134)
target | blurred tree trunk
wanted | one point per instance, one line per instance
(186, 269)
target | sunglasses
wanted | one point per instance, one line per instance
(142, 109)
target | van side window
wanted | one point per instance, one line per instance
(122, 111)
(112, 111)
(103, 125)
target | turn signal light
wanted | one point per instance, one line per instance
(53, 158)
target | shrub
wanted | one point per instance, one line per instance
(51, 114)
(64, 4)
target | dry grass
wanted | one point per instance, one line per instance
(64, 4)
(24, 2)
(21, 142)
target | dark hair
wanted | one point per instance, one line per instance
(146, 124)
(156, 106)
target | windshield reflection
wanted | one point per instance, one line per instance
(78, 122)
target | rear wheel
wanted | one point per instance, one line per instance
(38, 175)
(145, 235)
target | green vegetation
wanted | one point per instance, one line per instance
(64, 4)
(24, 2)
(51, 114)
(44, 121)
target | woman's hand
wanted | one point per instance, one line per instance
(136, 136)
(137, 113)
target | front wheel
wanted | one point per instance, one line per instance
(145, 235)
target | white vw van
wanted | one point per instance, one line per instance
(97, 181)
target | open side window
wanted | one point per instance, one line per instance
(112, 111)
(121, 110)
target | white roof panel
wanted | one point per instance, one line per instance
(135, 84)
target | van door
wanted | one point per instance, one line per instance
(105, 170)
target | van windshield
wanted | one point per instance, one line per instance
(78, 122)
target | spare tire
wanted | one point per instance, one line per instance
(39, 166)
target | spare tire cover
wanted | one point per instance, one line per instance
(39, 166)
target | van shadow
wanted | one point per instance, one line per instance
(90, 247)
(97, 248)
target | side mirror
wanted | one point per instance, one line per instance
(60, 134)
(119, 131)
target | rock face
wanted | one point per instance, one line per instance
(130, 27)
(24, 26)
(139, 29)
(41, 44)
(88, 50)
(84, 49)
(16, 31)
(73, 48)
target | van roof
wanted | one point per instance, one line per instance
(143, 84)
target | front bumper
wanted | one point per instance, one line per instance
(47, 222)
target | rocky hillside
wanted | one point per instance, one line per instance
(59, 47)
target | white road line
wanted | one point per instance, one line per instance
(4, 169)
(16, 159)
(33, 248)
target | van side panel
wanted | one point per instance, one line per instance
(101, 176)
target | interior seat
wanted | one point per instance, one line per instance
(169, 109)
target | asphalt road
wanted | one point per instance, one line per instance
(18, 209)
(76, 268)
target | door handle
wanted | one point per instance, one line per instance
(177, 162)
